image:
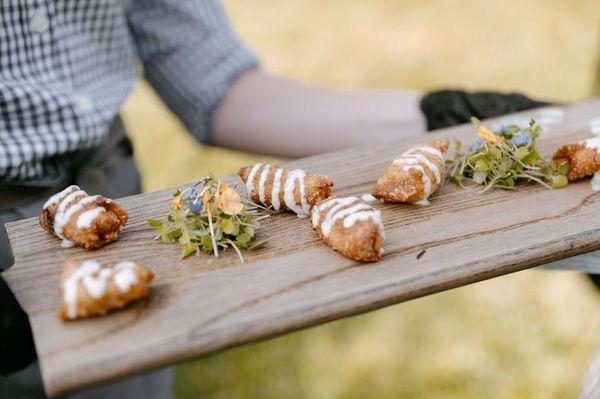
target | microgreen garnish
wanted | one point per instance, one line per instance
(504, 158)
(209, 215)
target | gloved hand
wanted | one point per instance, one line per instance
(17, 349)
(452, 107)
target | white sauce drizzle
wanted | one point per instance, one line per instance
(431, 150)
(368, 198)
(62, 215)
(276, 188)
(56, 198)
(594, 143)
(84, 220)
(261, 183)
(125, 276)
(424, 176)
(430, 165)
(94, 279)
(412, 159)
(349, 216)
(250, 180)
(288, 192)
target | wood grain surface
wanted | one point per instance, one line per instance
(201, 305)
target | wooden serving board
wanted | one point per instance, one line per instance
(201, 305)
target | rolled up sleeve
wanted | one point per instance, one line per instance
(190, 55)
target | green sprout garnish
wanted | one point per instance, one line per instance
(505, 158)
(209, 216)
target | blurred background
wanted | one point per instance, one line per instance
(526, 335)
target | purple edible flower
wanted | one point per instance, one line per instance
(521, 139)
(196, 205)
(476, 145)
(189, 194)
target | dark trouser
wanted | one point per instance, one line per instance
(108, 170)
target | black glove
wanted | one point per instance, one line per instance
(452, 107)
(17, 349)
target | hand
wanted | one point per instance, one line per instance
(17, 349)
(452, 107)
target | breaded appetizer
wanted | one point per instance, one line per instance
(91, 288)
(283, 189)
(580, 160)
(351, 227)
(79, 219)
(413, 177)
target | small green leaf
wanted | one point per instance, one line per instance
(243, 238)
(155, 223)
(559, 181)
(227, 226)
(521, 152)
(479, 177)
(563, 168)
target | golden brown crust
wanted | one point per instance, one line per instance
(401, 185)
(583, 161)
(316, 187)
(112, 299)
(441, 144)
(363, 241)
(105, 228)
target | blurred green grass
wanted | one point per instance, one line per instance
(527, 335)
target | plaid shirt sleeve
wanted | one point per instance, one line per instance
(190, 55)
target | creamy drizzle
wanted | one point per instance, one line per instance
(94, 279)
(276, 188)
(84, 221)
(250, 181)
(125, 276)
(368, 198)
(359, 211)
(431, 150)
(261, 183)
(56, 198)
(62, 215)
(412, 159)
(430, 165)
(296, 175)
(424, 176)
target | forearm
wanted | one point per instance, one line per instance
(273, 115)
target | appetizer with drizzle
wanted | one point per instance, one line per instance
(413, 177)
(92, 288)
(80, 219)
(351, 227)
(283, 189)
(579, 160)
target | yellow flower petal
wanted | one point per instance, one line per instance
(488, 135)
(176, 202)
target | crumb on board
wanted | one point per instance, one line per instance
(420, 255)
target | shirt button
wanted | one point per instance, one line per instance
(39, 23)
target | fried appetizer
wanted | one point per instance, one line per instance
(91, 288)
(413, 177)
(351, 227)
(581, 160)
(79, 219)
(292, 190)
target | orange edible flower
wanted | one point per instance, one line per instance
(488, 135)
(229, 201)
(176, 202)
